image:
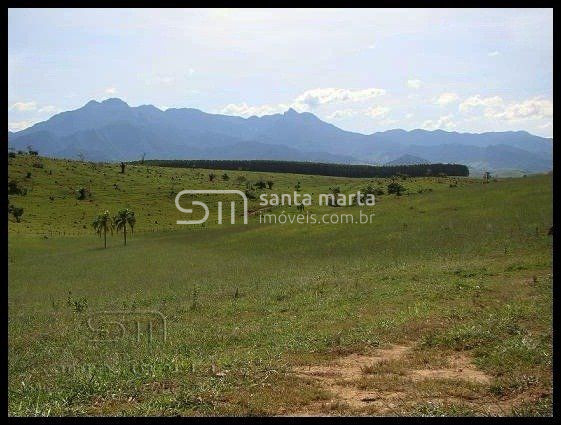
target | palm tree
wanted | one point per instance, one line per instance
(102, 223)
(123, 218)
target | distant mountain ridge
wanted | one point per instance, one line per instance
(112, 130)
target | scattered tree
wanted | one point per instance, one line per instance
(103, 223)
(123, 165)
(211, 177)
(270, 184)
(123, 218)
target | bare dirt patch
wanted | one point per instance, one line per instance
(460, 368)
(395, 380)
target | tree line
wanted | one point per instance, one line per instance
(317, 168)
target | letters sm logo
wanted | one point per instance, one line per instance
(205, 207)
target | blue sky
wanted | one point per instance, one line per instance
(363, 70)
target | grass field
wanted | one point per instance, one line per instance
(454, 271)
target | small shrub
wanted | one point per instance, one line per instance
(82, 193)
(77, 305)
(250, 194)
(15, 189)
(17, 212)
(396, 188)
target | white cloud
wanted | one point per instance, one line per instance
(23, 106)
(377, 111)
(491, 54)
(414, 84)
(32, 106)
(191, 71)
(19, 125)
(477, 101)
(49, 109)
(444, 122)
(446, 98)
(110, 90)
(409, 115)
(308, 100)
(342, 113)
(245, 110)
(387, 121)
(313, 98)
(536, 108)
(496, 108)
(162, 79)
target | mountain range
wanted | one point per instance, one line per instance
(114, 131)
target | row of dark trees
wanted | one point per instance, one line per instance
(316, 168)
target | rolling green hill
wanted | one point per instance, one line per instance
(453, 267)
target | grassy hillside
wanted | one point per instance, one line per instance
(51, 206)
(453, 267)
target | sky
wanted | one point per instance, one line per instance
(363, 70)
